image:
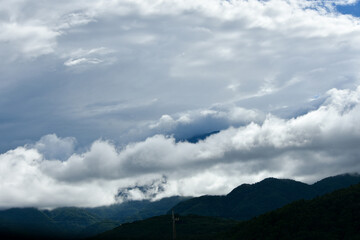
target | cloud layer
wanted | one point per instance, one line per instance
(317, 144)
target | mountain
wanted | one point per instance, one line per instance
(332, 216)
(160, 227)
(135, 210)
(250, 200)
(26, 223)
(96, 228)
(333, 183)
(73, 222)
(61, 223)
(244, 202)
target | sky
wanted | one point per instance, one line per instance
(97, 98)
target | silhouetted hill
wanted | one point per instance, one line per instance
(332, 216)
(250, 200)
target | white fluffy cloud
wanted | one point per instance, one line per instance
(22, 183)
(320, 143)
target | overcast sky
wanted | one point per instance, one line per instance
(95, 96)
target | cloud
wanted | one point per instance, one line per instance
(37, 32)
(274, 138)
(26, 185)
(129, 79)
(148, 191)
(319, 143)
(111, 69)
(73, 62)
(92, 56)
(31, 39)
(53, 147)
(218, 117)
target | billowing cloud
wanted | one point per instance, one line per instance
(317, 144)
(332, 124)
(25, 184)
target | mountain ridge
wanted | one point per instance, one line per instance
(249, 200)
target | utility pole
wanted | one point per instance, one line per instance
(173, 223)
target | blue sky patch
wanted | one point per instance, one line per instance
(353, 9)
